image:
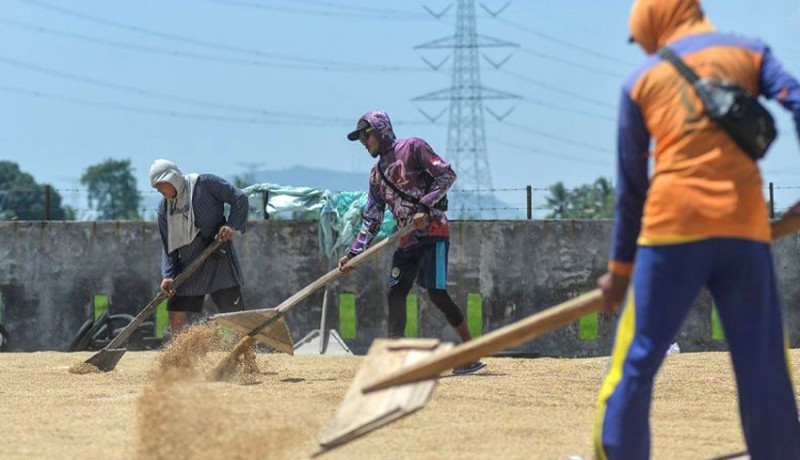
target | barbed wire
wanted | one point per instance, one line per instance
(505, 208)
(254, 210)
(486, 190)
(60, 190)
(489, 209)
(140, 210)
(478, 190)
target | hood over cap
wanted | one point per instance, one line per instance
(380, 122)
(655, 23)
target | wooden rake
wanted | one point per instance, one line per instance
(107, 358)
(522, 331)
(268, 325)
(396, 376)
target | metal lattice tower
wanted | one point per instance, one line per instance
(466, 137)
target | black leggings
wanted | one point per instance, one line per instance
(227, 300)
(397, 306)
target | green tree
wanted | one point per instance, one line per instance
(590, 201)
(112, 190)
(23, 199)
(558, 201)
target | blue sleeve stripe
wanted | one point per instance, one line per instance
(777, 83)
(633, 142)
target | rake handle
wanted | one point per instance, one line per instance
(148, 310)
(327, 278)
(786, 225)
(524, 330)
(506, 337)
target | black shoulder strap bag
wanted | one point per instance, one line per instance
(735, 110)
(441, 205)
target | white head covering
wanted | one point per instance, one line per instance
(181, 229)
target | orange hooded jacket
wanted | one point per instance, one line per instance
(703, 185)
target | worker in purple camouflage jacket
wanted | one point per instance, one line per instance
(412, 180)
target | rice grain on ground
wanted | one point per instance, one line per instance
(515, 409)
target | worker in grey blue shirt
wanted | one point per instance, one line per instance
(190, 217)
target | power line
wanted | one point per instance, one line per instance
(146, 48)
(558, 90)
(594, 70)
(567, 24)
(312, 64)
(547, 153)
(354, 11)
(183, 39)
(164, 96)
(556, 138)
(568, 110)
(157, 33)
(564, 43)
(153, 111)
(309, 121)
(791, 171)
(353, 6)
(554, 106)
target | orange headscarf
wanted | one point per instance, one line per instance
(654, 23)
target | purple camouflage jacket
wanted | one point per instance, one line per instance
(413, 167)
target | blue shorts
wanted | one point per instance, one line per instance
(426, 261)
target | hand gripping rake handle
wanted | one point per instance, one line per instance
(523, 330)
(107, 358)
(145, 313)
(329, 277)
(228, 364)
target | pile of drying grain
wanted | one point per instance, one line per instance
(181, 416)
(515, 409)
(83, 368)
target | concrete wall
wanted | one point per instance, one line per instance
(50, 270)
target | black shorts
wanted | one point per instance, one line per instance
(426, 261)
(227, 300)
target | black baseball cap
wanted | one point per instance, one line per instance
(362, 125)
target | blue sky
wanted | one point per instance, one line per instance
(218, 85)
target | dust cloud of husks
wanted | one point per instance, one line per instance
(181, 416)
(199, 349)
(184, 419)
(188, 353)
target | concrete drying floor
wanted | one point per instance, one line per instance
(515, 409)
